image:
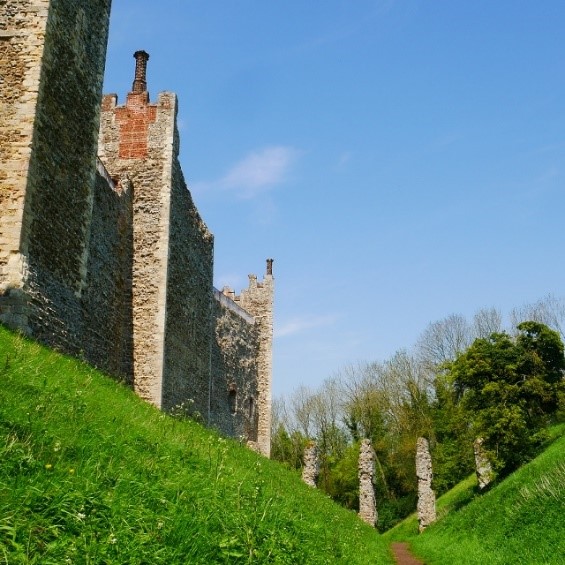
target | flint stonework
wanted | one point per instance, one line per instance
(311, 468)
(367, 501)
(103, 252)
(426, 496)
(483, 467)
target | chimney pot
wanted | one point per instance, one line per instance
(140, 80)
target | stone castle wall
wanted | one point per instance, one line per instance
(52, 57)
(136, 144)
(22, 31)
(257, 299)
(189, 323)
(108, 258)
(107, 296)
(233, 405)
(194, 347)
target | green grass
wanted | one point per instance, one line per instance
(91, 474)
(521, 520)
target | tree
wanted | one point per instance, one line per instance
(443, 340)
(287, 444)
(487, 321)
(288, 448)
(510, 388)
(548, 310)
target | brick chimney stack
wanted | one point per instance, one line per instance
(269, 266)
(135, 118)
(140, 81)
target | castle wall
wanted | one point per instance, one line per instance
(189, 321)
(173, 252)
(136, 144)
(107, 297)
(233, 392)
(257, 299)
(22, 30)
(193, 348)
(109, 259)
(50, 118)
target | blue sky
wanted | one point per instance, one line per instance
(400, 160)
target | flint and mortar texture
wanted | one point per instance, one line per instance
(311, 468)
(483, 467)
(233, 393)
(52, 57)
(22, 32)
(367, 500)
(106, 299)
(150, 175)
(107, 258)
(257, 299)
(426, 496)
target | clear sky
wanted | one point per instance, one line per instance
(401, 160)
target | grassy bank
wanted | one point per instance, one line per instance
(521, 520)
(91, 474)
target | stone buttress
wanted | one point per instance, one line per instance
(426, 506)
(52, 55)
(311, 464)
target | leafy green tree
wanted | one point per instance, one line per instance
(288, 448)
(510, 389)
(452, 451)
(342, 479)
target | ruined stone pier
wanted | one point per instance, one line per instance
(311, 468)
(367, 501)
(426, 496)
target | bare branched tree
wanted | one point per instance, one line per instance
(549, 310)
(486, 322)
(280, 415)
(443, 340)
(301, 405)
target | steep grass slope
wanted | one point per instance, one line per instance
(521, 520)
(91, 474)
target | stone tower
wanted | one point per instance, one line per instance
(172, 247)
(257, 299)
(52, 55)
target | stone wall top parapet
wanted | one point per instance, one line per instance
(231, 305)
(103, 172)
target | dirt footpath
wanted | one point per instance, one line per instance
(402, 554)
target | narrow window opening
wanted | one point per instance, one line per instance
(232, 399)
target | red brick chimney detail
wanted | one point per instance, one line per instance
(140, 80)
(134, 118)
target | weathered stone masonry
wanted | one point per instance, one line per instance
(311, 461)
(108, 257)
(426, 496)
(366, 471)
(52, 57)
(257, 299)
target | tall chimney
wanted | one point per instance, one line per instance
(269, 266)
(140, 81)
